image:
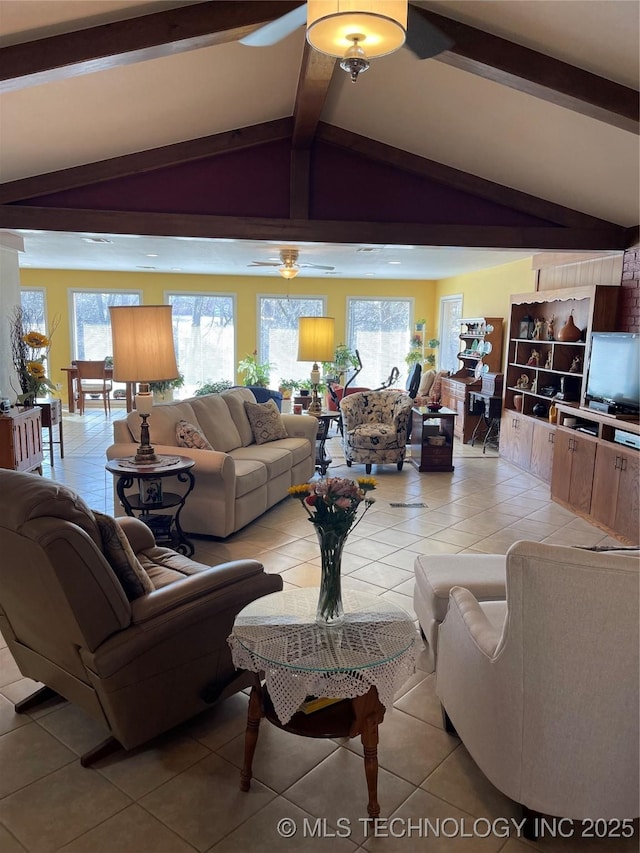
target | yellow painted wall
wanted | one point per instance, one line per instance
(486, 292)
(58, 283)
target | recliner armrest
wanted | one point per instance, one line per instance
(137, 532)
(485, 635)
(193, 587)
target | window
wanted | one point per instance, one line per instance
(91, 321)
(278, 330)
(33, 303)
(450, 314)
(204, 335)
(380, 329)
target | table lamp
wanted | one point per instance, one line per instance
(143, 352)
(315, 343)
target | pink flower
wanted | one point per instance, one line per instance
(343, 503)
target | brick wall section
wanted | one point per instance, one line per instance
(629, 305)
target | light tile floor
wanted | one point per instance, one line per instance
(180, 794)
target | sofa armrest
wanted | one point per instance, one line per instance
(301, 426)
(189, 589)
(466, 612)
(139, 535)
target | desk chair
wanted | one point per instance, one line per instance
(92, 379)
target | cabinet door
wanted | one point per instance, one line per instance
(561, 471)
(542, 450)
(516, 435)
(583, 461)
(614, 501)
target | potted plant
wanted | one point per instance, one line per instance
(163, 388)
(254, 371)
(344, 360)
(213, 387)
(430, 358)
(287, 386)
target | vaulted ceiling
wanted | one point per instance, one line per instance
(523, 135)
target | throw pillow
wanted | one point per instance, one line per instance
(266, 422)
(119, 554)
(426, 383)
(188, 435)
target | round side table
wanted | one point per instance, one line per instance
(152, 497)
(360, 665)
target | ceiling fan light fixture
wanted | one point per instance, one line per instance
(377, 27)
(289, 271)
(354, 61)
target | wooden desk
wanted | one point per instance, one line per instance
(72, 373)
(52, 416)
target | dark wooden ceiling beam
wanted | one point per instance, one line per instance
(316, 73)
(534, 73)
(399, 159)
(134, 40)
(251, 228)
(146, 161)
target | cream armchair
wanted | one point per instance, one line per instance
(374, 427)
(547, 704)
(139, 661)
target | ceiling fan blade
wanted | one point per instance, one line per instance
(275, 31)
(263, 264)
(316, 266)
(423, 39)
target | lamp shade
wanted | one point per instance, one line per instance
(379, 25)
(316, 339)
(143, 349)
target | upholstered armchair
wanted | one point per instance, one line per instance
(374, 427)
(547, 702)
(134, 634)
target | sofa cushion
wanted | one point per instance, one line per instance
(162, 422)
(216, 422)
(273, 456)
(426, 383)
(251, 474)
(119, 554)
(235, 399)
(265, 420)
(188, 435)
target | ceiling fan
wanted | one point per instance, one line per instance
(288, 265)
(356, 31)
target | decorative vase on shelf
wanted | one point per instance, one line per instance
(330, 611)
(569, 333)
(518, 399)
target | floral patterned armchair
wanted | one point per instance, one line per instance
(374, 427)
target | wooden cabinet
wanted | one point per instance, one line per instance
(542, 444)
(432, 439)
(480, 351)
(595, 475)
(541, 369)
(616, 482)
(21, 440)
(516, 435)
(573, 466)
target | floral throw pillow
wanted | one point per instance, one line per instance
(266, 422)
(119, 554)
(188, 435)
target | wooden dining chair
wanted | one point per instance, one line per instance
(92, 379)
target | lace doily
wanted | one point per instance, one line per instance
(376, 645)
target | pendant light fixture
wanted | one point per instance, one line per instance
(356, 30)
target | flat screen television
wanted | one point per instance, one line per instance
(614, 371)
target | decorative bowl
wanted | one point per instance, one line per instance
(434, 407)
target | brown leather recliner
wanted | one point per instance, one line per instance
(139, 666)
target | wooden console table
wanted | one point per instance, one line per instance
(52, 416)
(21, 440)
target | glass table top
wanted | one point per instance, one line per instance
(280, 630)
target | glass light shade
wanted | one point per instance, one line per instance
(380, 25)
(316, 339)
(288, 271)
(143, 349)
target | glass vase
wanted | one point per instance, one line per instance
(330, 611)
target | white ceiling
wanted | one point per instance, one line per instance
(428, 108)
(61, 250)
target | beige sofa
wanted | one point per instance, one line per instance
(237, 481)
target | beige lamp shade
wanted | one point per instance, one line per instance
(316, 339)
(379, 25)
(143, 348)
